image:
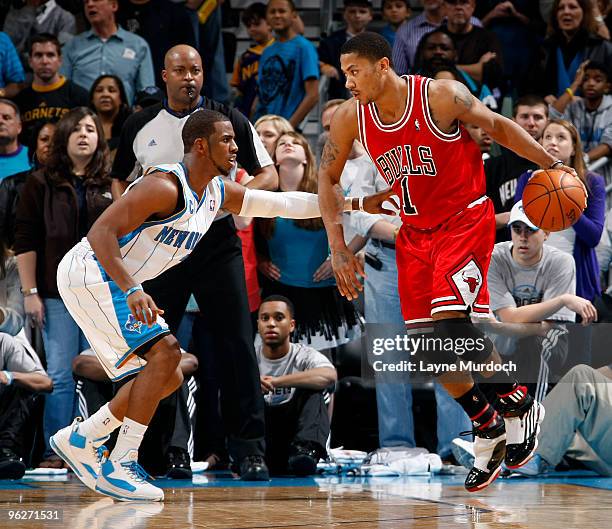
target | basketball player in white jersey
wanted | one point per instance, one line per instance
(152, 227)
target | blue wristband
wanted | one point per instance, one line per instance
(132, 290)
(9, 377)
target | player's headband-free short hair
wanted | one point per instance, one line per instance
(369, 45)
(201, 124)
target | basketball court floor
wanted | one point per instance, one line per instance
(577, 500)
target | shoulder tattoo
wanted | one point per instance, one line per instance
(463, 96)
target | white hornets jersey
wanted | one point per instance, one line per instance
(158, 245)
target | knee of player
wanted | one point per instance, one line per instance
(466, 341)
(167, 353)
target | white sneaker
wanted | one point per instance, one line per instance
(125, 480)
(82, 454)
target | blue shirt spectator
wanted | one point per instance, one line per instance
(288, 69)
(108, 49)
(14, 162)
(298, 253)
(283, 69)
(125, 55)
(11, 71)
(395, 13)
(13, 156)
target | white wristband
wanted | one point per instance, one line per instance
(361, 203)
(9, 377)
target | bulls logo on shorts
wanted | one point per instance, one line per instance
(468, 280)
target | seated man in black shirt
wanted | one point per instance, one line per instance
(50, 95)
(503, 171)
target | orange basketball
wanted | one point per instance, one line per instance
(553, 199)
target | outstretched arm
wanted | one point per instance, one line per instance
(291, 204)
(452, 101)
(267, 204)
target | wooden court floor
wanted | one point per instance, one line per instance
(217, 501)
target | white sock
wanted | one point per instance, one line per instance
(100, 424)
(129, 438)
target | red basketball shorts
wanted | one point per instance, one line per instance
(445, 269)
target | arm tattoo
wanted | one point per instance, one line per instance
(463, 96)
(330, 152)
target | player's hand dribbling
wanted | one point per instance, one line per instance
(143, 308)
(346, 267)
(572, 171)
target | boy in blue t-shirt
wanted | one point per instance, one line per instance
(395, 12)
(289, 68)
(244, 79)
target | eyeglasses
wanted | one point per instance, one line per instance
(524, 229)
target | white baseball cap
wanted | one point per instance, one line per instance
(517, 214)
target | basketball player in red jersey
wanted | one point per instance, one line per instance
(412, 129)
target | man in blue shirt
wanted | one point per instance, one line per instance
(288, 68)
(11, 71)
(13, 156)
(108, 49)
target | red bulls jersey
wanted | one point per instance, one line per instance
(435, 174)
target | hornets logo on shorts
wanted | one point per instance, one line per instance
(132, 324)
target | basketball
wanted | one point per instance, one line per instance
(553, 199)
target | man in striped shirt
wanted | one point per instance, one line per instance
(410, 33)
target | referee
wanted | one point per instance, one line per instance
(214, 272)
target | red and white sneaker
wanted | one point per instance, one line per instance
(522, 433)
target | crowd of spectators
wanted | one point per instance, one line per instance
(94, 92)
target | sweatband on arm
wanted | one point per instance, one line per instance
(288, 204)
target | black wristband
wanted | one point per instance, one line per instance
(556, 162)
